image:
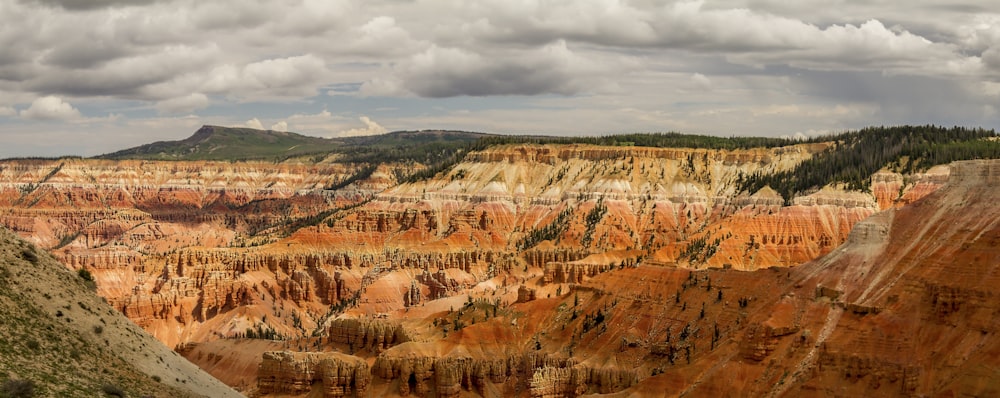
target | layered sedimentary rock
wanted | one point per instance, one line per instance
(895, 190)
(204, 251)
(903, 308)
(283, 372)
(526, 294)
(554, 382)
(538, 375)
(374, 335)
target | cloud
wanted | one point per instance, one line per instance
(728, 66)
(868, 46)
(745, 33)
(291, 76)
(701, 81)
(380, 37)
(50, 108)
(128, 76)
(185, 104)
(254, 124)
(371, 128)
(280, 126)
(449, 72)
(92, 4)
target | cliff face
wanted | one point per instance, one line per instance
(917, 296)
(297, 372)
(373, 335)
(454, 374)
(131, 223)
(197, 252)
(904, 308)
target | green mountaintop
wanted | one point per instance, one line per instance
(236, 143)
(229, 143)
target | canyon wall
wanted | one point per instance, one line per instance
(197, 252)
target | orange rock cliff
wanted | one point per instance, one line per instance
(527, 270)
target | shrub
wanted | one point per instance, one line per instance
(112, 390)
(17, 388)
(85, 275)
(30, 255)
(98, 329)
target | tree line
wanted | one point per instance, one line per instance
(856, 155)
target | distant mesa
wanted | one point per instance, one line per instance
(242, 143)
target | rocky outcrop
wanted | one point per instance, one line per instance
(439, 284)
(451, 376)
(895, 190)
(413, 296)
(761, 340)
(338, 375)
(554, 382)
(264, 247)
(526, 294)
(873, 373)
(901, 309)
(371, 334)
(573, 272)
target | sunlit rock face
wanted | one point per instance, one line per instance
(200, 252)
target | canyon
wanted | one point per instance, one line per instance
(543, 270)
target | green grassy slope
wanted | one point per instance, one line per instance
(232, 143)
(228, 143)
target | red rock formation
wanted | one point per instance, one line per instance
(904, 308)
(554, 382)
(526, 294)
(895, 190)
(453, 376)
(373, 335)
(202, 251)
(283, 372)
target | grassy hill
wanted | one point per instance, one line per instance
(58, 338)
(233, 143)
(230, 143)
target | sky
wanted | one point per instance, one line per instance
(85, 77)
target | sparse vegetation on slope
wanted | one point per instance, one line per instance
(57, 338)
(655, 140)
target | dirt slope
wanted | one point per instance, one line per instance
(58, 334)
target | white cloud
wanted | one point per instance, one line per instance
(449, 72)
(725, 66)
(280, 126)
(50, 108)
(296, 76)
(254, 124)
(381, 37)
(370, 128)
(185, 104)
(701, 81)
